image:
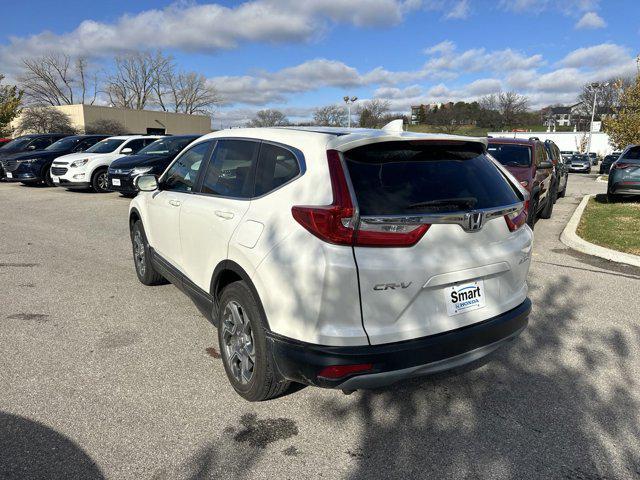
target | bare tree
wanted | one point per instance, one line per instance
(607, 99)
(489, 102)
(372, 112)
(57, 79)
(106, 127)
(330, 116)
(44, 120)
(136, 79)
(269, 118)
(186, 92)
(511, 105)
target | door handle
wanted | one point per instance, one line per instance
(225, 215)
(175, 203)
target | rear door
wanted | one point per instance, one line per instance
(467, 267)
(209, 218)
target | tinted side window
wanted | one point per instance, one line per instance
(182, 175)
(231, 169)
(84, 144)
(135, 145)
(276, 166)
(40, 143)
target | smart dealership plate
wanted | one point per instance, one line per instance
(464, 297)
(9, 175)
(115, 182)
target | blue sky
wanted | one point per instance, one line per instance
(295, 55)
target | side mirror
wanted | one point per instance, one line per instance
(146, 183)
(31, 147)
(126, 151)
(545, 165)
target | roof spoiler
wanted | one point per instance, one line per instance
(394, 126)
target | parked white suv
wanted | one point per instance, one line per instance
(339, 258)
(88, 169)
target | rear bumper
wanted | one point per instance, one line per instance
(625, 188)
(301, 362)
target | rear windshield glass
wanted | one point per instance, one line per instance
(632, 154)
(511, 155)
(397, 178)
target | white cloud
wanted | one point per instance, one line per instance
(596, 56)
(591, 20)
(459, 11)
(567, 7)
(210, 27)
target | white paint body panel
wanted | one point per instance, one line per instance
(309, 288)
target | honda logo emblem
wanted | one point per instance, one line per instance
(474, 221)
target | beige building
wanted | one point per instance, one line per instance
(137, 121)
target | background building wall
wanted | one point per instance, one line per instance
(566, 140)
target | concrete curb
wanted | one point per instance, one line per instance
(571, 239)
(600, 178)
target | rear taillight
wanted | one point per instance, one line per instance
(331, 223)
(517, 219)
(621, 166)
(335, 223)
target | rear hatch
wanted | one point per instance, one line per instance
(440, 241)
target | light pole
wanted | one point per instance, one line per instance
(594, 87)
(349, 102)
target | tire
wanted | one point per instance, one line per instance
(532, 217)
(564, 190)
(99, 181)
(551, 199)
(612, 197)
(141, 257)
(246, 355)
(46, 175)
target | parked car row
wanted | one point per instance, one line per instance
(83, 161)
(540, 169)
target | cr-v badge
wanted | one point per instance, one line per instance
(391, 286)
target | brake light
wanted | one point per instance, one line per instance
(620, 166)
(335, 223)
(335, 372)
(518, 218)
(331, 223)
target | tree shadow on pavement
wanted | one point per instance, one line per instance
(30, 450)
(557, 403)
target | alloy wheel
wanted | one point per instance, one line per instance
(139, 253)
(238, 342)
(103, 181)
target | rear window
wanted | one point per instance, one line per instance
(397, 178)
(511, 155)
(632, 154)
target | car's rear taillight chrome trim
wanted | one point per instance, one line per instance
(470, 221)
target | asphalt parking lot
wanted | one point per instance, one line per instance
(102, 377)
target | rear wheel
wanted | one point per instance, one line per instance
(99, 181)
(612, 197)
(246, 355)
(141, 258)
(551, 199)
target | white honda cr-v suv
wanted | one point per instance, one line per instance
(339, 258)
(88, 169)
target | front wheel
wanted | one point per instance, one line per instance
(141, 258)
(100, 181)
(46, 175)
(246, 355)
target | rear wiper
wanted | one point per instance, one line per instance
(467, 202)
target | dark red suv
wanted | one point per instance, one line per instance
(529, 162)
